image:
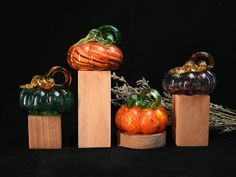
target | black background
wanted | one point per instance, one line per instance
(156, 36)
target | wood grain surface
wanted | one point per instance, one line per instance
(191, 120)
(94, 109)
(142, 141)
(44, 132)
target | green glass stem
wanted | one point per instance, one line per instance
(105, 35)
(148, 98)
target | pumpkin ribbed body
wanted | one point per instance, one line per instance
(46, 102)
(135, 120)
(190, 83)
(94, 56)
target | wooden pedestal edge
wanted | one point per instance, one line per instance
(141, 141)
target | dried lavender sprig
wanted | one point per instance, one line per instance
(123, 92)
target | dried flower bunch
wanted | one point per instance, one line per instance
(220, 117)
(123, 92)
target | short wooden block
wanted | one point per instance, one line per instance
(140, 141)
(94, 112)
(191, 120)
(44, 132)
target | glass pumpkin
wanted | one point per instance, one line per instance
(97, 51)
(195, 77)
(142, 114)
(44, 97)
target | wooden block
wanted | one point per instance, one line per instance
(140, 141)
(191, 120)
(94, 112)
(44, 132)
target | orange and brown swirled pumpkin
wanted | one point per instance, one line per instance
(97, 51)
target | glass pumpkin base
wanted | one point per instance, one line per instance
(141, 141)
(44, 113)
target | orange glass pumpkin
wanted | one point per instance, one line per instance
(97, 51)
(142, 114)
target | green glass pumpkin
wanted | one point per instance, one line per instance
(43, 97)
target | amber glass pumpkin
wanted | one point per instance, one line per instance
(195, 77)
(97, 51)
(142, 114)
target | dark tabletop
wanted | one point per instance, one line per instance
(218, 159)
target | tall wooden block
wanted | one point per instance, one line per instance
(191, 120)
(94, 112)
(44, 132)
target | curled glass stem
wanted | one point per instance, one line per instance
(47, 82)
(203, 56)
(148, 98)
(105, 35)
(198, 62)
(59, 69)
